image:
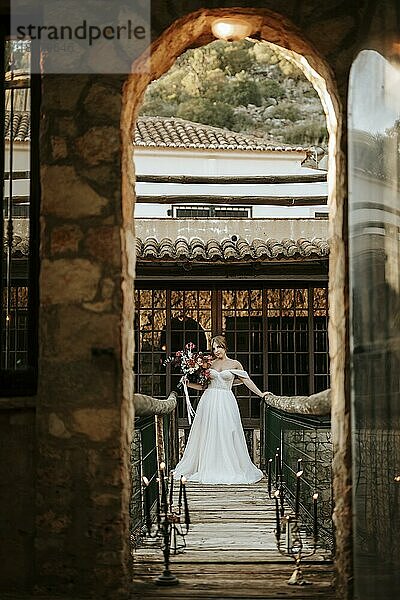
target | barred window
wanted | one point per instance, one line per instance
(213, 212)
(18, 223)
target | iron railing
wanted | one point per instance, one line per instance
(305, 438)
(143, 462)
(154, 440)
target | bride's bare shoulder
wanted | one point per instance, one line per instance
(236, 365)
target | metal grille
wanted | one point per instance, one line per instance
(17, 353)
(278, 334)
(18, 227)
(215, 212)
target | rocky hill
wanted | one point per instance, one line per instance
(245, 86)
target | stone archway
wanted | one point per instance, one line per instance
(194, 30)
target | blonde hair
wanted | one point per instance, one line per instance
(218, 339)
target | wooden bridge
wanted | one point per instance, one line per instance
(231, 552)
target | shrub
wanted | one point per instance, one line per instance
(241, 93)
(285, 110)
(306, 132)
(203, 110)
(269, 88)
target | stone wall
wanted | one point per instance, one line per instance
(84, 409)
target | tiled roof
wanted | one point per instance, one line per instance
(21, 126)
(170, 132)
(228, 250)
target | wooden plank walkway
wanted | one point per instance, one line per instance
(231, 552)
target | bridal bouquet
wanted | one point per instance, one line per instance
(195, 366)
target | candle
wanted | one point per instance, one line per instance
(269, 477)
(299, 464)
(158, 502)
(171, 489)
(180, 494)
(315, 532)
(185, 504)
(297, 501)
(278, 519)
(147, 503)
(276, 469)
(282, 498)
(163, 488)
(280, 463)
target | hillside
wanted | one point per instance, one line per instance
(247, 87)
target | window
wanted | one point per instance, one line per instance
(18, 223)
(278, 334)
(214, 212)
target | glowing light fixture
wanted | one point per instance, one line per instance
(231, 29)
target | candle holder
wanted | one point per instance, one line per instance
(289, 538)
(293, 546)
(171, 525)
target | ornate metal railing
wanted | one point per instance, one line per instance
(299, 429)
(154, 439)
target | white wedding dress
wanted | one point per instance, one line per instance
(216, 450)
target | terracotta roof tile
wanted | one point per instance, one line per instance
(168, 132)
(171, 132)
(228, 250)
(21, 126)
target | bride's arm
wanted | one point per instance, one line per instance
(250, 384)
(194, 386)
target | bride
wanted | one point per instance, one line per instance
(216, 450)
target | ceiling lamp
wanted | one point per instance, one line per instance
(231, 29)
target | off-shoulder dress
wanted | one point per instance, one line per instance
(216, 450)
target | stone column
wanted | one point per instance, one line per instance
(84, 412)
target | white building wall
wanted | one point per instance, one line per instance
(217, 163)
(278, 229)
(172, 161)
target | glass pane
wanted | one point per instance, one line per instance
(146, 299)
(242, 299)
(205, 299)
(320, 301)
(145, 319)
(190, 299)
(205, 320)
(374, 256)
(301, 298)
(274, 300)
(159, 319)
(256, 299)
(287, 302)
(176, 299)
(16, 210)
(160, 298)
(228, 299)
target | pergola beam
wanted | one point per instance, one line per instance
(233, 179)
(236, 200)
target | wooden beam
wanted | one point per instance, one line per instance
(232, 179)
(234, 200)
